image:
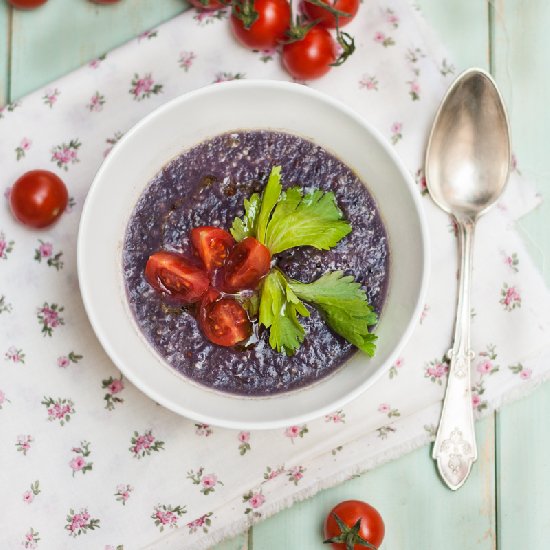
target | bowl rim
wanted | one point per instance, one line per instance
(330, 405)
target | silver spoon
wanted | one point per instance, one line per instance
(467, 166)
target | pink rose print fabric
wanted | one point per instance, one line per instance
(96, 103)
(50, 97)
(3, 399)
(30, 540)
(203, 523)
(79, 523)
(45, 252)
(123, 493)
(24, 443)
(292, 432)
(338, 417)
(167, 516)
(203, 430)
(28, 496)
(22, 148)
(66, 154)
(93, 462)
(113, 387)
(50, 317)
(59, 410)
(145, 444)
(244, 442)
(6, 246)
(253, 500)
(80, 461)
(207, 482)
(143, 87)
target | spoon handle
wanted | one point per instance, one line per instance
(455, 445)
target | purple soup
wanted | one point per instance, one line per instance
(207, 185)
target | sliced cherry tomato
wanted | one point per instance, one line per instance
(207, 4)
(27, 4)
(213, 245)
(223, 320)
(38, 198)
(176, 277)
(343, 517)
(260, 24)
(247, 263)
(327, 19)
(312, 56)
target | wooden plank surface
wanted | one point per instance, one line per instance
(463, 28)
(419, 512)
(63, 34)
(523, 445)
(522, 46)
(4, 52)
(523, 473)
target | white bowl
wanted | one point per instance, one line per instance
(186, 121)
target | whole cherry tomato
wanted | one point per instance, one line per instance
(340, 523)
(312, 56)
(207, 4)
(176, 277)
(38, 198)
(213, 245)
(327, 19)
(223, 320)
(260, 24)
(246, 264)
(27, 4)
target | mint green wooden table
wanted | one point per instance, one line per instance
(506, 502)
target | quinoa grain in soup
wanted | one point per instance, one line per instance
(200, 193)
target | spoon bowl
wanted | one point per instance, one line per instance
(469, 152)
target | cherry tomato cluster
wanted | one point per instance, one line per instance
(220, 268)
(308, 49)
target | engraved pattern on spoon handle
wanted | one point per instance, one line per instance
(455, 446)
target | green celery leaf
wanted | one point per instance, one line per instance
(279, 310)
(288, 201)
(252, 305)
(270, 197)
(246, 226)
(344, 305)
(310, 220)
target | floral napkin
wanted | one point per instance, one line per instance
(88, 461)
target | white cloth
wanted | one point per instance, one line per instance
(81, 450)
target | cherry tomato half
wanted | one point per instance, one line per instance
(268, 29)
(176, 277)
(38, 198)
(207, 5)
(327, 19)
(312, 56)
(349, 512)
(223, 320)
(27, 4)
(246, 264)
(213, 245)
